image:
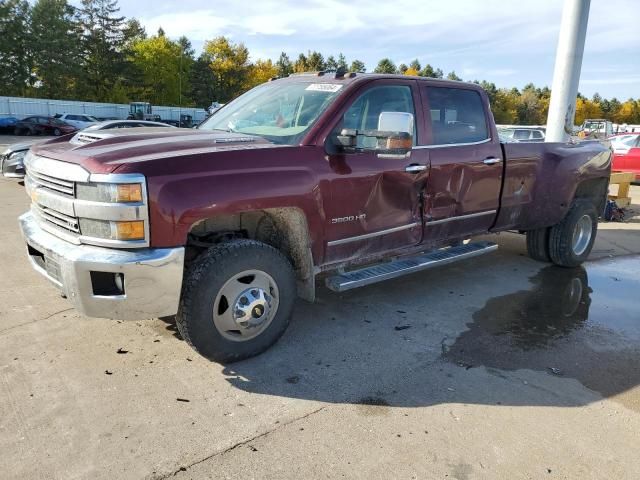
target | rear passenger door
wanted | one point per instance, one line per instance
(463, 190)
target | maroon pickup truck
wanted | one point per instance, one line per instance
(350, 178)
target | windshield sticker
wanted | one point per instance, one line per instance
(324, 87)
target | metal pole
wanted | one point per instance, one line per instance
(566, 74)
(180, 88)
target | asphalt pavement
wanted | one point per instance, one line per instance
(497, 368)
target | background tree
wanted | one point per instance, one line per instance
(229, 63)
(385, 66)
(452, 76)
(430, 72)
(315, 62)
(55, 43)
(357, 66)
(261, 71)
(342, 62)
(331, 64)
(15, 52)
(202, 82)
(160, 61)
(301, 65)
(505, 107)
(284, 66)
(103, 48)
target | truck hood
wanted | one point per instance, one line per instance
(105, 151)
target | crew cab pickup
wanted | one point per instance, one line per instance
(347, 178)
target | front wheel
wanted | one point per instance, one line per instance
(571, 240)
(237, 300)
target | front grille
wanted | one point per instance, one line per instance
(59, 220)
(47, 182)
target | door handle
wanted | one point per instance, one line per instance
(491, 161)
(415, 168)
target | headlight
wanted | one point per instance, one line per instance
(110, 192)
(16, 156)
(112, 230)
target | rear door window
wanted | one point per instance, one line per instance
(456, 116)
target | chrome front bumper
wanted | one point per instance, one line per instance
(151, 277)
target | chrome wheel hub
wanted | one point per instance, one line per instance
(245, 305)
(252, 308)
(582, 235)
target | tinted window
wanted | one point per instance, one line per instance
(536, 134)
(457, 115)
(521, 135)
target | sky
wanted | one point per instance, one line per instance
(508, 42)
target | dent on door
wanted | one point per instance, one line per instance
(372, 211)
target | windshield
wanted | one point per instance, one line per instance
(594, 126)
(279, 112)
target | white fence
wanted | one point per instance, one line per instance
(25, 107)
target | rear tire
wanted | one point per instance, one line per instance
(538, 244)
(237, 300)
(571, 240)
(57, 132)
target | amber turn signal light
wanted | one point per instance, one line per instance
(128, 192)
(129, 230)
(394, 143)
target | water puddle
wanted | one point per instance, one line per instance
(582, 323)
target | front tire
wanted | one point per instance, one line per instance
(571, 240)
(237, 300)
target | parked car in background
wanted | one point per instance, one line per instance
(186, 121)
(11, 159)
(522, 134)
(78, 121)
(43, 125)
(8, 123)
(626, 153)
(111, 124)
(596, 128)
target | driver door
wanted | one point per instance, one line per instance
(375, 201)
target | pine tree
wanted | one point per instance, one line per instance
(357, 66)
(386, 66)
(103, 45)
(55, 43)
(284, 66)
(15, 54)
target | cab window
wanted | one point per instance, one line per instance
(456, 115)
(364, 112)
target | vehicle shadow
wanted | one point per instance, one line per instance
(417, 341)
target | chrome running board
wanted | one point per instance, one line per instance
(405, 265)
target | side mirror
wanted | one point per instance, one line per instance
(392, 139)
